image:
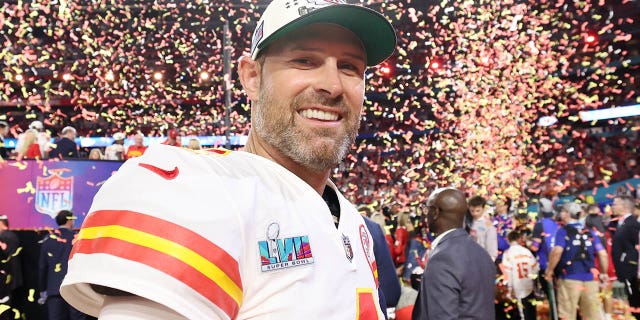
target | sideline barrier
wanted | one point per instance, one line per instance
(32, 191)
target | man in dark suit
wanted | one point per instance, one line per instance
(458, 281)
(52, 268)
(624, 249)
(65, 147)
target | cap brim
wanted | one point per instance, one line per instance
(373, 29)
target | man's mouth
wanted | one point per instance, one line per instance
(319, 115)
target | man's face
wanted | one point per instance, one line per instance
(311, 95)
(476, 211)
(501, 206)
(138, 140)
(618, 207)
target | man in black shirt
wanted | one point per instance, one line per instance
(65, 147)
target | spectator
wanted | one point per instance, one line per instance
(4, 131)
(572, 261)
(405, 227)
(43, 139)
(52, 268)
(30, 148)
(625, 249)
(194, 144)
(65, 146)
(458, 281)
(503, 223)
(10, 259)
(137, 148)
(520, 271)
(173, 138)
(414, 266)
(96, 154)
(116, 150)
(542, 239)
(482, 229)
(593, 222)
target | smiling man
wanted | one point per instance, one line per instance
(262, 234)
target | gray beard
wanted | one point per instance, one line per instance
(293, 142)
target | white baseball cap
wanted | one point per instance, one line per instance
(283, 16)
(118, 136)
(36, 125)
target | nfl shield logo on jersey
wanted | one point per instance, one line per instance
(348, 250)
(54, 193)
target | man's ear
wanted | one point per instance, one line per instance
(249, 74)
(436, 214)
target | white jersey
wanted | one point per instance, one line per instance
(520, 269)
(114, 152)
(223, 235)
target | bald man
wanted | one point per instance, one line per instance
(458, 281)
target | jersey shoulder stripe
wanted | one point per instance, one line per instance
(167, 247)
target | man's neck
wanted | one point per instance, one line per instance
(317, 180)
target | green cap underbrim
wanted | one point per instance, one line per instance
(373, 29)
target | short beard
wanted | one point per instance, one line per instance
(279, 131)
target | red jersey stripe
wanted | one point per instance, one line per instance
(169, 231)
(170, 265)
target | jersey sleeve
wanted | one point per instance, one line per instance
(161, 228)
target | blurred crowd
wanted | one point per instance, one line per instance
(522, 246)
(377, 174)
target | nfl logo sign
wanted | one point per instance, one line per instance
(54, 193)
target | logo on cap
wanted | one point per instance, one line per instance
(314, 4)
(257, 36)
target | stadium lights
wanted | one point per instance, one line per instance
(385, 70)
(435, 64)
(610, 113)
(590, 38)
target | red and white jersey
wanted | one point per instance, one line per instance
(520, 269)
(223, 235)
